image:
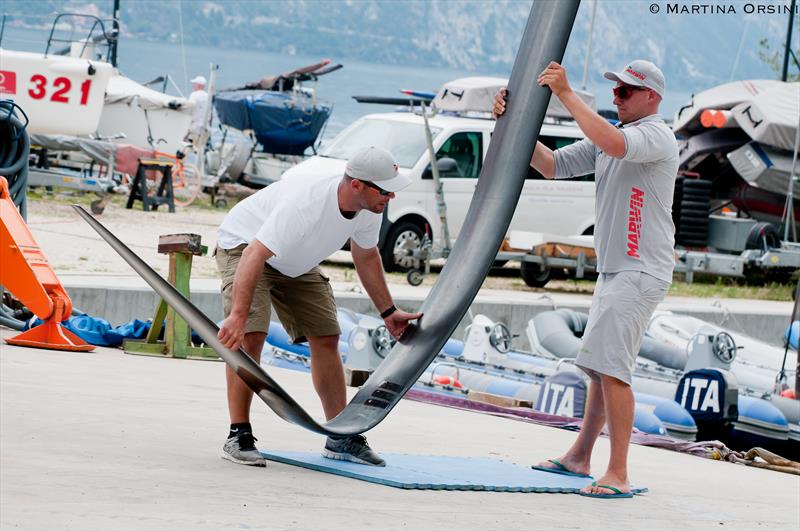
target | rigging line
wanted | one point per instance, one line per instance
(183, 48)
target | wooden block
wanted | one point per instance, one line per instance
(355, 377)
(497, 400)
(180, 243)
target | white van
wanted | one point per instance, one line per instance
(563, 207)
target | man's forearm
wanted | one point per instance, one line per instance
(602, 134)
(370, 270)
(544, 161)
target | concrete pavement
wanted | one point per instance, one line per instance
(105, 440)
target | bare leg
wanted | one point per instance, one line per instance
(240, 396)
(578, 457)
(619, 402)
(327, 374)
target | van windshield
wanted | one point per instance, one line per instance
(406, 142)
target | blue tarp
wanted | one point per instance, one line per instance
(284, 123)
(96, 331)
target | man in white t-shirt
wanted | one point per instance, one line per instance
(635, 165)
(269, 247)
(199, 99)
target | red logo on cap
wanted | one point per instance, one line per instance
(8, 82)
(634, 73)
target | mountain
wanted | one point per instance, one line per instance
(695, 50)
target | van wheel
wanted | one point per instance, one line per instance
(403, 238)
(534, 275)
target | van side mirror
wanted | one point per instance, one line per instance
(444, 165)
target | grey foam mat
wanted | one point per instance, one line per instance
(437, 472)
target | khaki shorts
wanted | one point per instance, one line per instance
(622, 306)
(304, 304)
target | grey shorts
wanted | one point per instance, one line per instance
(305, 305)
(622, 306)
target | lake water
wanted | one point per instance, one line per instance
(142, 61)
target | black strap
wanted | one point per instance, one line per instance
(388, 311)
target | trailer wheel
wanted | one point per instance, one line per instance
(404, 235)
(415, 277)
(97, 207)
(763, 236)
(534, 275)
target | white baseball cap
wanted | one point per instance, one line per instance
(640, 73)
(376, 165)
(199, 80)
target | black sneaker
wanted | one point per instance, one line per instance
(353, 449)
(242, 449)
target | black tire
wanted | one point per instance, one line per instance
(696, 196)
(97, 207)
(695, 219)
(400, 233)
(534, 275)
(692, 235)
(781, 275)
(694, 213)
(692, 228)
(220, 202)
(696, 184)
(693, 223)
(695, 205)
(763, 233)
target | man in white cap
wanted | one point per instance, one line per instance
(269, 247)
(635, 165)
(199, 99)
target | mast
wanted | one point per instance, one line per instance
(115, 24)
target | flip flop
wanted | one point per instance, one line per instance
(560, 469)
(616, 494)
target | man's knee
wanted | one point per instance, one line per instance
(324, 344)
(608, 380)
(253, 342)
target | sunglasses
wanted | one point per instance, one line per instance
(375, 187)
(626, 91)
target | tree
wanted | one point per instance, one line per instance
(774, 58)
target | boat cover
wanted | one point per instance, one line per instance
(476, 94)
(283, 122)
(762, 167)
(125, 90)
(723, 97)
(772, 116)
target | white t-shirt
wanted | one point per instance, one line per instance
(299, 221)
(199, 99)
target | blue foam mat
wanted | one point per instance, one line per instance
(438, 472)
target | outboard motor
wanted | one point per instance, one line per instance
(563, 393)
(711, 396)
(369, 343)
(708, 390)
(486, 341)
(711, 349)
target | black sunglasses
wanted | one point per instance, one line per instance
(626, 91)
(375, 187)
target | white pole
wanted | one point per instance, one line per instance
(588, 47)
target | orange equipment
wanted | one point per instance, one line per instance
(24, 271)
